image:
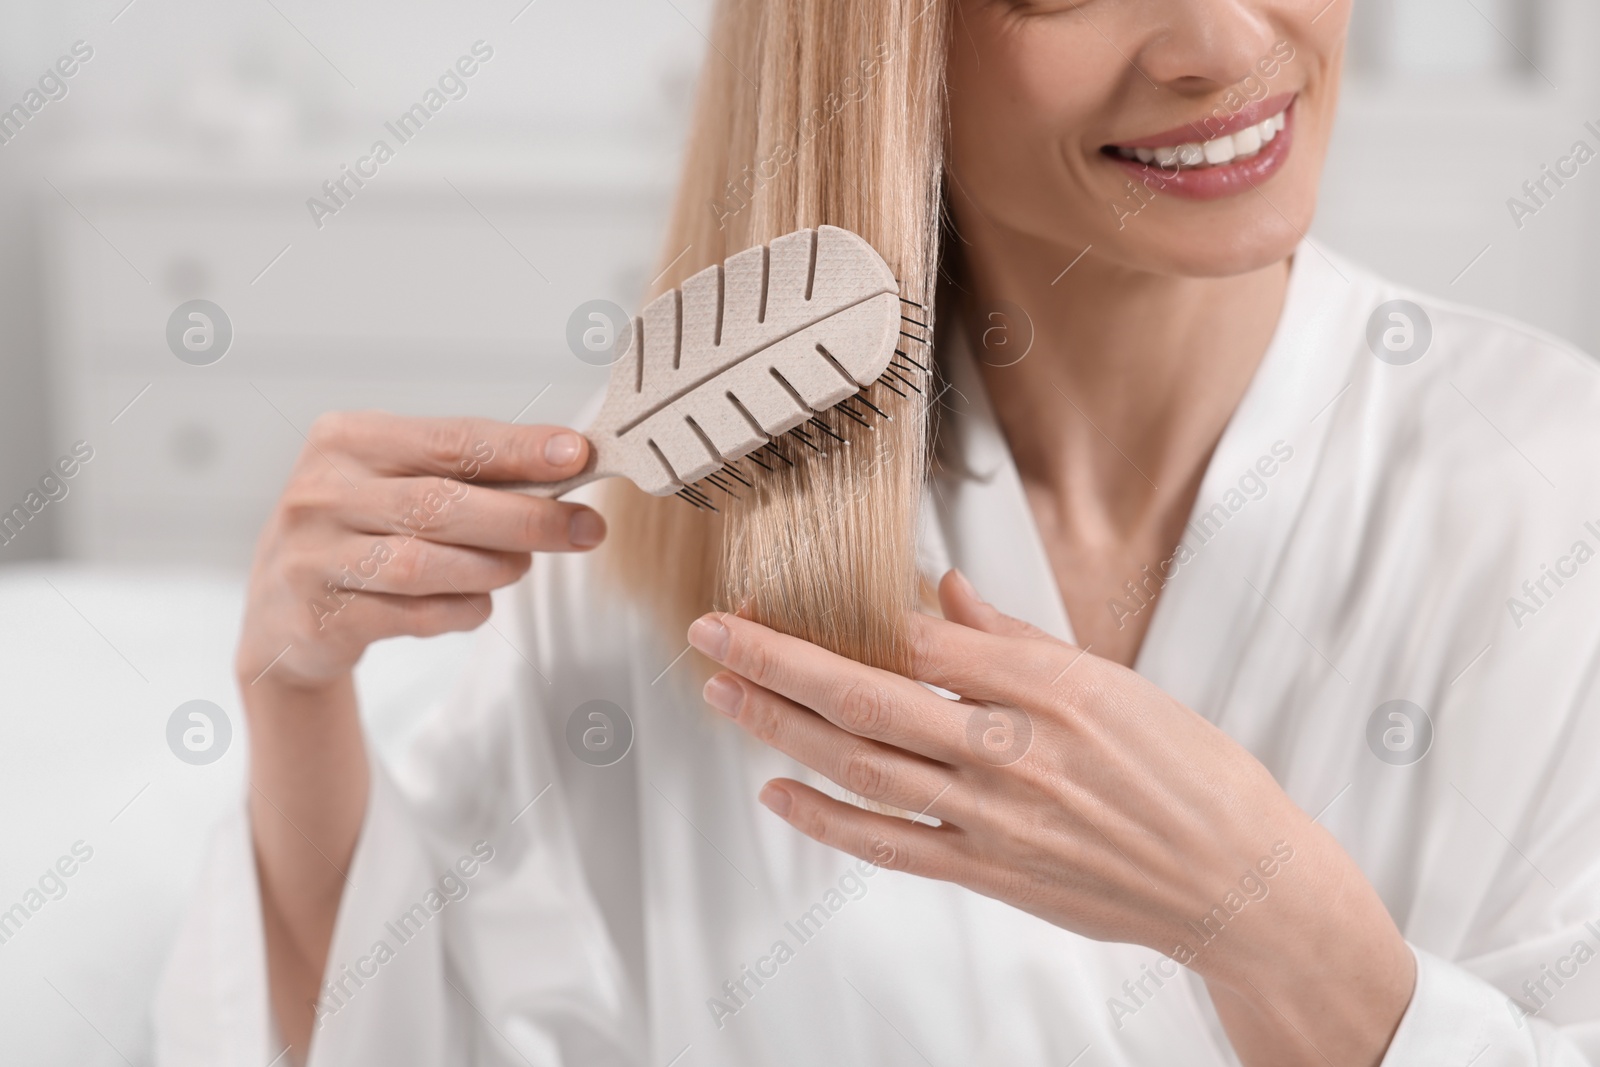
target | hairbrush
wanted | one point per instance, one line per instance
(741, 362)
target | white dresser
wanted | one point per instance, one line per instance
(443, 287)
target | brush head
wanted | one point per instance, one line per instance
(742, 353)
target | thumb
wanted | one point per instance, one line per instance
(961, 604)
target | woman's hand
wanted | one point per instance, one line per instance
(388, 526)
(1076, 790)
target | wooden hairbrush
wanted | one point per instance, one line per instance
(745, 353)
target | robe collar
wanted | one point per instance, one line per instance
(977, 516)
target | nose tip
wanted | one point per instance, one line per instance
(1209, 45)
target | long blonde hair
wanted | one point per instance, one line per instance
(809, 112)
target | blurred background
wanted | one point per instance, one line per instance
(175, 163)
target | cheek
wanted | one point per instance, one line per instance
(1021, 100)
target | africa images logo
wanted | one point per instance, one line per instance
(452, 85)
(737, 992)
(52, 86)
(451, 887)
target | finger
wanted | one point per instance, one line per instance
(447, 511)
(961, 604)
(865, 767)
(363, 616)
(978, 665)
(415, 567)
(467, 449)
(863, 700)
(978, 651)
(885, 841)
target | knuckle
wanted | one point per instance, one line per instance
(1081, 693)
(863, 708)
(865, 771)
(414, 517)
(812, 820)
(406, 566)
(295, 513)
(765, 721)
(304, 502)
(432, 496)
(302, 570)
(447, 491)
(755, 661)
(1014, 883)
(542, 524)
(428, 502)
(524, 451)
(448, 441)
(330, 430)
(1041, 655)
(885, 854)
(922, 644)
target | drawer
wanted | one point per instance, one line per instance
(404, 266)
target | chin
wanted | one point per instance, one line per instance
(1208, 251)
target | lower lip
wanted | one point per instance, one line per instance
(1214, 183)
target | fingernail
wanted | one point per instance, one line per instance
(586, 529)
(724, 694)
(778, 801)
(560, 449)
(709, 636)
(967, 587)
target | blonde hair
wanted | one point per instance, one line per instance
(809, 112)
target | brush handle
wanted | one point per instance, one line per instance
(593, 471)
(553, 490)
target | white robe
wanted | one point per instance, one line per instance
(618, 916)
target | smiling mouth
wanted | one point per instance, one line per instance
(1215, 158)
(1239, 137)
(1219, 151)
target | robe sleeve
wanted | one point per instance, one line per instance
(467, 932)
(1520, 985)
(1457, 1017)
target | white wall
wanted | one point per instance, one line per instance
(1449, 108)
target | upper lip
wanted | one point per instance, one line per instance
(1210, 127)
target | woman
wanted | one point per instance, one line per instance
(1343, 811)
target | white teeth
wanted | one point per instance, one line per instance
(1219, 150)
(1241, 144)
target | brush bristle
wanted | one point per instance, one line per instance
(908, 374)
